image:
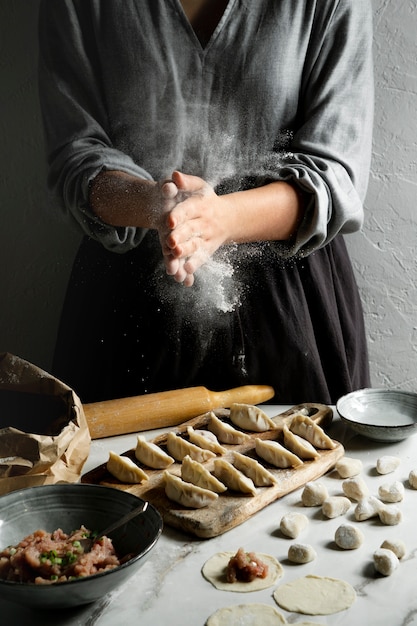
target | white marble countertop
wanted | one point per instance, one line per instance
(169, 589)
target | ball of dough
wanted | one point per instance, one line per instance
(355, 488)
(314, 494)
(335, 506)
(412, 479)
(397, 546)
(348, 467)
(367, 508)
(391, 492)
(292, 524)
(385, 561)
(387, 464)
(301, 553)
(348, 537)
(390, 515)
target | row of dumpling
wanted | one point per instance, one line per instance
(198, 487)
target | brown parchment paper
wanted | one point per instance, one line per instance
(44, 436)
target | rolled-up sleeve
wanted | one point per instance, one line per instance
(75, 119)
(331, 149)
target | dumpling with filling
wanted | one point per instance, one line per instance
(194, 472)
(225, 432)
(187, 494)
(233, 478)
(260, 476)
(250, 417)
(275, 454)
(301, 447)
(152, 455)
(307, 428)
(205, 439)
(124, 469)
(178, 447)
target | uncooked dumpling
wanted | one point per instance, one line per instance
(233, 478)
(275, 454)
(152, 455)
(307, 428)
(205, 439)
(179, 448)
(301, 447)
(124, 469)
(214, 570)
(225, 432)
(250, 417)
(254, 470)
(187, 494)
(194, 472)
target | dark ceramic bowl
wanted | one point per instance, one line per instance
(68, 507)
(380, 414)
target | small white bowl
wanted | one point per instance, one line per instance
(380, 414)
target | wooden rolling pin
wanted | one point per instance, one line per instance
(165, 408)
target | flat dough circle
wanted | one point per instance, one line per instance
(247, 615)
(315, 595)
(214, 570)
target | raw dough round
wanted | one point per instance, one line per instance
(214, 570)
(315, 595)
(247, 615)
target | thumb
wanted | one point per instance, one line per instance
(185, 182)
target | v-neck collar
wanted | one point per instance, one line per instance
(215, 33)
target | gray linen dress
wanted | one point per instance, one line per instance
(283, 90)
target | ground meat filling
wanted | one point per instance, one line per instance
(245, 567)
(47, 558)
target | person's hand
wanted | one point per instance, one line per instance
(195, 227)
(174, 266)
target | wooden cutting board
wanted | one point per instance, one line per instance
(231, 508)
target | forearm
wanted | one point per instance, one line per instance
(269, 213)
(120, 199)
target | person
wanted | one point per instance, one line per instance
(213, 154)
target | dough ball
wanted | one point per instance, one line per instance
(355, 488)
(390, 515)
(385, 561)
(397, 546)
(335, 506)
(314, 494)
(348, 537)
(301, 553)
(214, 570)
(393, 492)
(348, 467)
(367, 508)
(387, 464)
(248, 614)
(292, 524)
(315, 595)
(412, 479)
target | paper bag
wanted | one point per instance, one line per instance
(44, 436)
